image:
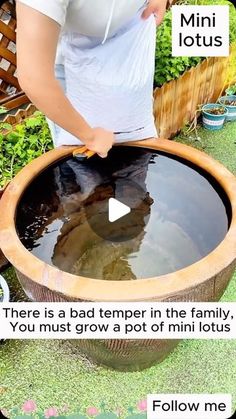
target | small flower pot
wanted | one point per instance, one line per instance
(213, 116)
(4, 291)
(230, 103)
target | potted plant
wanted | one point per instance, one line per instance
(4, 291)
(214, 115)
(229, 102)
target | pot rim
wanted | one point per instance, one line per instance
(82, 288)
(206, 106)
(227, 97)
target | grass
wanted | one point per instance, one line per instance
(53, 373)
(220, 145)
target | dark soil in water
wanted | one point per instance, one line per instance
(185, 216)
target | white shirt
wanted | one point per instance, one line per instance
(109, 83)
(100, 18)
(87, 17)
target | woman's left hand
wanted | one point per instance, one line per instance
(157, 8)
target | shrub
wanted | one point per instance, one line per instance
(22, 144)
(167, 67)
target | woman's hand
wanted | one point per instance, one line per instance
(157, 8)
(101, 142)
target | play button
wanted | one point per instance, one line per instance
(118, 206)
(117, 210)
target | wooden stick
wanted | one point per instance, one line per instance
(90, 153)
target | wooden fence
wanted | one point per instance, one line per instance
(20, 115)
(176, 102)
(11, 95)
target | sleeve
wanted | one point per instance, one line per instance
(55, 9)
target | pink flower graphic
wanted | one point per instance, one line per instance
(142, 405)
(92, 411)
(29, 406)
(52, 411)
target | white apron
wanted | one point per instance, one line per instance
(111, 83)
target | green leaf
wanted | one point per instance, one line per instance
(5, 125)
(32, 122)
(3, 110)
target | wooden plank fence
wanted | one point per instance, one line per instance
(11, 95)
(176, 102)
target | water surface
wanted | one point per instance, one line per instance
(183, 216)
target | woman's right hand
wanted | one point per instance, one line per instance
(101, 142)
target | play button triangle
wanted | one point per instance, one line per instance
(117, 210)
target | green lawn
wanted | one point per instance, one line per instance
(53, 374)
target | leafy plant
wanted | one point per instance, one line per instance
(231, 90)
(21, 144)
(2, 110)
(168, 67)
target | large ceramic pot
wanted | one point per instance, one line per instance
(204, 280)
(3, 260)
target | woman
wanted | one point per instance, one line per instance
(103, 53)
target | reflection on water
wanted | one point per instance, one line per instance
(183, 215)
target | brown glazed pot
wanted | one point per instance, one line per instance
(3, 260)
(204, 280)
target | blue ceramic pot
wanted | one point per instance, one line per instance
(231, 108)
(211, 121)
